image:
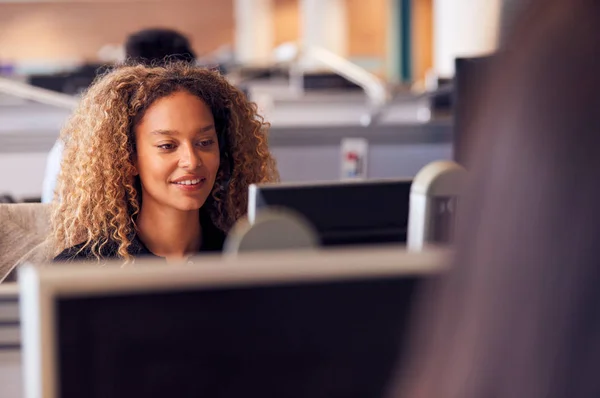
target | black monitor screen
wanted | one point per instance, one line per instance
(366, 212)
(470, 77)
(312, 339)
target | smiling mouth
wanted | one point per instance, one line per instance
(191, 182)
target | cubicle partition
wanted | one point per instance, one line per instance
(304, 152)
(307, 135)
(314, 153)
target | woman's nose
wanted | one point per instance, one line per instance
(190, 159)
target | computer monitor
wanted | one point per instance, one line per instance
(343, 213)
(269, 325)
(469, 80)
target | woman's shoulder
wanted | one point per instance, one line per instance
(78, 252)
(83, 252)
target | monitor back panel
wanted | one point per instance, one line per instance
(310, 339)
(347, 213)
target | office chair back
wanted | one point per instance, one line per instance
(272, 229)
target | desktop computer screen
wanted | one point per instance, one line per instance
(469, 80)
(299, 340)
(343, 213)
(334, 336)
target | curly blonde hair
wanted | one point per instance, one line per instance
(99, 196)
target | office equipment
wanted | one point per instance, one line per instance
(470, 77)
(10, 342)
(354, 158)
(328, 324)
(351, 212)
(434, 198)
(271, 230)
(10, 339)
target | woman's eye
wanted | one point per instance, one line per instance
(166, 146)
(206, 143)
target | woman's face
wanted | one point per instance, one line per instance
(177, 152)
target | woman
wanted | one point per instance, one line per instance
(157, 161)
(519, 315)
(155, 46)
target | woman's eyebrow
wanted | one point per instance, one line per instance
(164, 132)
(175, 132)
(207, 128)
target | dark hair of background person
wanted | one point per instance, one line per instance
(519, 313)
(151, 47)
(157, 46)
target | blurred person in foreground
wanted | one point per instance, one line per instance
(157, 162)
(154, 46)
(519, 315)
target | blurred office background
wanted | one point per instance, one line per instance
(323, 72)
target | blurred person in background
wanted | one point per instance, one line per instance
(153, 46)
(156, 46)
(157, 162)
(519, 315)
